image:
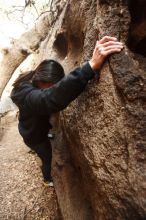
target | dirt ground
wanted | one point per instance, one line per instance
(22, 194)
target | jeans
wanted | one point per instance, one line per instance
(44, 151)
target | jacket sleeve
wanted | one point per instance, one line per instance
(57, 97)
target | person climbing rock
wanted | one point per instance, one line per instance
(47, 90)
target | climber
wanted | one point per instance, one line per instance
(46, 90)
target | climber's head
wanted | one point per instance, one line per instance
(47, 73)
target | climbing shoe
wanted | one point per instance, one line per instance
(48, 183)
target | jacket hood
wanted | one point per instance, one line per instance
(18, 94)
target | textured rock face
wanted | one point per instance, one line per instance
(100, 150)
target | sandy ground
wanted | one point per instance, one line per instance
(22, 194)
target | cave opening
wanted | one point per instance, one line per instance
(137, 31)
(61, 45)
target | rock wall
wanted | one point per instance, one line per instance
(99, 151)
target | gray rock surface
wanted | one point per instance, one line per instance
(100, 153)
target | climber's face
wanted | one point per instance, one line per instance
(44, 85)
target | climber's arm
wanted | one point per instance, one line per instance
(57, 97)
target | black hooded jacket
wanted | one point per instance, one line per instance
(36, 105)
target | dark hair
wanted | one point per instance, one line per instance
(46, 71)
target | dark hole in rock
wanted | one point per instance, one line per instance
(61, 45)
(137, 31)
(77, 43)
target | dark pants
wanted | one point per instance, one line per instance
(44, 151)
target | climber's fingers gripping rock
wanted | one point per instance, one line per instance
(104, 47)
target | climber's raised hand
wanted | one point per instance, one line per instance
(104, 47)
